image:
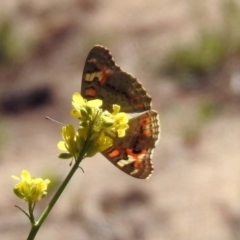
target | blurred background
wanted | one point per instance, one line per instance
(187, 55)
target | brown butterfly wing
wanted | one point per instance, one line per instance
(103, 79)
(132, 153)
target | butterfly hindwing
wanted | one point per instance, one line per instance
(103, 79)
(132, 153)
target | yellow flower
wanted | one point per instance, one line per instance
(82, 107)
(104, 142)
(99, 143)
(29, 188)
(119, 122)
(72, 141)
(95, 125)
(116, 109)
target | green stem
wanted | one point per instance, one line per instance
(38, 224)
(30, 210)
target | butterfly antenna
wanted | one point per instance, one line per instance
(53, 120)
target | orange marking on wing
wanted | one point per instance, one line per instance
(137, 98)
(147, 133)
(134, 98)
(135, 155)
(114, 153)
(90, 92)
(145, 122)
(105, 73)
(138, 164)
(140, 106)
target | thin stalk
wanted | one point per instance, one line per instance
(38, 224)
(31, 216)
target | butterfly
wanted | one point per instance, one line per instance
(103, 79)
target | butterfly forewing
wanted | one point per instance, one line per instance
(103, 79)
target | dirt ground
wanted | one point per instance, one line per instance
(194, 192)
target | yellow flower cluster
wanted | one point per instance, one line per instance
(29, 188)
(96, 126)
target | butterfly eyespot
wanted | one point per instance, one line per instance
(136, 151)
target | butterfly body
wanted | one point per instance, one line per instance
(103, 79)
